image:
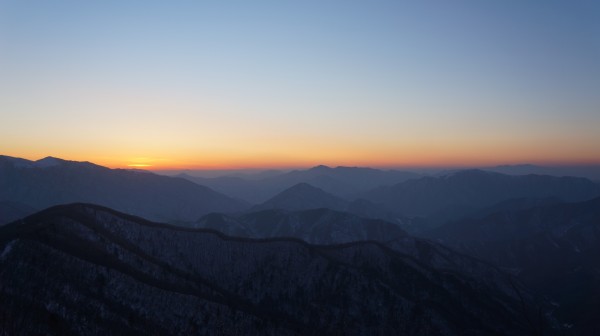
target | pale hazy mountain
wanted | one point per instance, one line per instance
(303, 196)
(467, 190)
(343, 182)
(591, 172)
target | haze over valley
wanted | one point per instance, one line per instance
(300, 168)
(505, 234)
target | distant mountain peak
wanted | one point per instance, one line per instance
(14, 161)
(472, 172)
(48, 161)
(320, 168)
(303, 196)
(303, 186)
(522, 165)
(304, 189)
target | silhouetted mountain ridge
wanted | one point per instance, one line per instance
(343, 182)
(138, 277)
(470, 189)
(315, 226)
(303, 196)
(52, 181)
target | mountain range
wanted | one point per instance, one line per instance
(463, 191)
(315, 226)
(51, 181)
(495, 253)
(554, 248)
(425, 200)
(304, 196)
(84, 269)
(343, 182)
(329, 227)
(590, 171)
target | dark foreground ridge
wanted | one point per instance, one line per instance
(85, 269)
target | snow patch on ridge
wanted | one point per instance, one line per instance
(7, 249)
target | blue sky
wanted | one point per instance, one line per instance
(288, 83)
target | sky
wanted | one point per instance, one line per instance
(274, 84)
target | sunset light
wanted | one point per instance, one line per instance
(205, 86)
(138, 165)
(300, 167)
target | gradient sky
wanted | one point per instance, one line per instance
(230, 84)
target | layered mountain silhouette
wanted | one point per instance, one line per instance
(554, 248)
(52, 181)
(343, 182)
(542, 230)
(11, 211)
(329, 227)
(465, 191)
(316, 226)
(84, 269)
(591, 172)
(304, 196)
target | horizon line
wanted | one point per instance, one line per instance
(441, 166)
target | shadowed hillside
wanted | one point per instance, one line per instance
(83, 269)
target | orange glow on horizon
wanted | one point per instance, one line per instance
(139, 165)
(422, 162)
(381, 164)
(456, 155)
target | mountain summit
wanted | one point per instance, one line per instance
(303, 196)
